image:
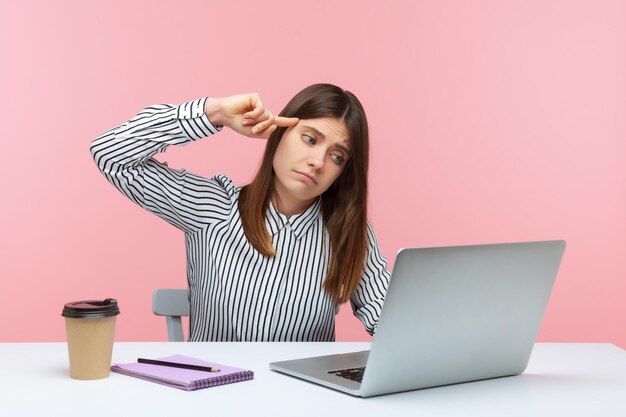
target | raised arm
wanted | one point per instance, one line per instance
(124, 155)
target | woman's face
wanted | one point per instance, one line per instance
(309, 158)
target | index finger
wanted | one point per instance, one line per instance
(285, 121)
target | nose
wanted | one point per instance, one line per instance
(316, 158)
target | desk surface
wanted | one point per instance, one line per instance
(561, 379)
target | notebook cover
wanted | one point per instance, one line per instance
(185, 379)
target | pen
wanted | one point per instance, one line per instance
(177, 365)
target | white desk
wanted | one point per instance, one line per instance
(561, 380)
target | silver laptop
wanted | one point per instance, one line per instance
(451, 315)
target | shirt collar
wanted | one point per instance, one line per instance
(298, 223)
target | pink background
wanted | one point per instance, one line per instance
(491, 121)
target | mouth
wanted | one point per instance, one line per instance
(307, 177)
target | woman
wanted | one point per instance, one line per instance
(273, 260)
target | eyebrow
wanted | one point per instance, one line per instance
(320, 134)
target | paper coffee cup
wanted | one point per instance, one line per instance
(90, 328)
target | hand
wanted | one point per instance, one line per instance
(246, 114)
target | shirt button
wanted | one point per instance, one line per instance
(288, 225)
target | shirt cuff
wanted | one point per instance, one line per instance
(194, 121)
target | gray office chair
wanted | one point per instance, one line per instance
(173, 304)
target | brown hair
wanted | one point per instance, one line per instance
(344, 203)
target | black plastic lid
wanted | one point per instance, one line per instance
(91, 309)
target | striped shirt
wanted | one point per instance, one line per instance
(235, 293)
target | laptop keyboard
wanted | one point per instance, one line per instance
(355, 374)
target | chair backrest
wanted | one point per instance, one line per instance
(173, 304)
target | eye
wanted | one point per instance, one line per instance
(338, 159)
(308, 139)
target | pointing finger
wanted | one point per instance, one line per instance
(286, 121)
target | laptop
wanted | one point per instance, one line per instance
(451, 315)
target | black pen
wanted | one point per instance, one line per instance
(177, 365)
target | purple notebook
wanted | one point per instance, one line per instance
(185, 379)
